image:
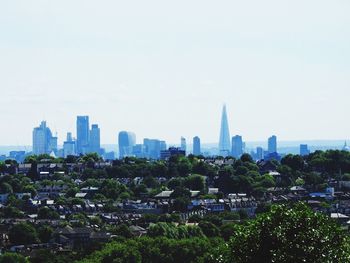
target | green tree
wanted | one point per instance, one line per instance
(289, 234)
(45, 233)
(12, 258)
(195, 182)
(23, 234)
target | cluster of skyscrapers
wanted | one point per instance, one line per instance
(87, 141)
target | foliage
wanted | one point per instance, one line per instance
(12, 258)
(23, 234)
(287, 234)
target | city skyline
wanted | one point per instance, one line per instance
(163, 72)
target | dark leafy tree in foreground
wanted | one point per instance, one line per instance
(287, 234)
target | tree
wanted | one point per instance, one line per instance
(12, 258)
(23, 234)
(6, 188)
(47, 213)
(289, 234)
(246, 158)
(45, 233)
(195, 182)
(123, 230)
(227, 230)
(209, 229)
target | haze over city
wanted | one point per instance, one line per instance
(164, 71)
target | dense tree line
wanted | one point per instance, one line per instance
(285, 234)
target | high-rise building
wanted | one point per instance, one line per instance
(259, 153)
(69, 146)
(83, 134)
(153, 147)
(95, 144)
(346, 147)
(224, 141)
(237, 146)
(43, 141)
(272, 144)
(126, 142)
(196, 145)
(138, 150)
(183, 144)
(304, 150)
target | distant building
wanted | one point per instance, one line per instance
(95, 143)
(172, 151)
(126, 142)
(153, 147)
(304, 150)
(109, 156)
(196, 145)
(83, 134)
(19, 156)
(259, 153)
(183, 144)
(138, 151)
(43, 141)
(346, 147)
(224, 140)
(237, 146)
(272, 144)
(69, 146)
(272, 156)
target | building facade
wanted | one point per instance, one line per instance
(95, 140)
(83, 134)
(272, 144)
(196, 145)
(237, 146)
(126, 142)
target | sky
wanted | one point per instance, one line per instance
(163, 69)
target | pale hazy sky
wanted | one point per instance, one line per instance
(163, 68)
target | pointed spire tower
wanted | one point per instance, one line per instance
(224, 142)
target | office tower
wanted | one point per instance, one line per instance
(19, 156)
(259, 153)
(162, 145)
(152, 148)
(196, 145)
(304, 150)
(272, 144)
(43, 142)
(82, 134)
(138, 151)
(95, 144)
(126, 141)
(224, 141)
(53, 144)
(237, 146)
(183, 144)
(69, 146)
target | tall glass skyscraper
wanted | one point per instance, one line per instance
(196, 145)
(183, 144)
(95, 144)
(224, 141)
(126, 142)
(153, 147)
(83, 134)
(69, 146)
(272, 144)
(43, 141)
(237, 146)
